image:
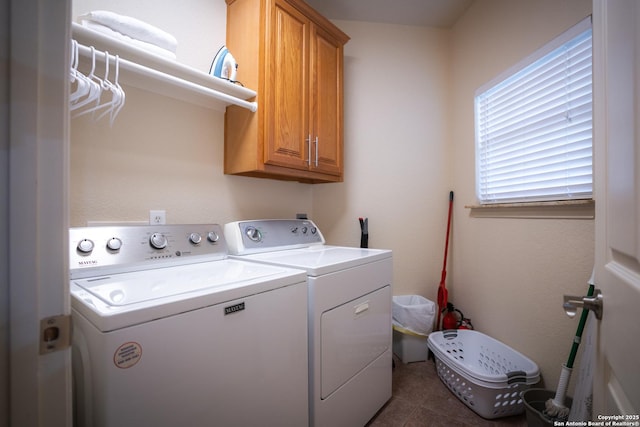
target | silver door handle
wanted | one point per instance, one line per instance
(594, 303)
(316, 151)
(308, 141)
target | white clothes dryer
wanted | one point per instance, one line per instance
(350, 329)
(168, 331)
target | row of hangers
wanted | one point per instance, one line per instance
(87, 91)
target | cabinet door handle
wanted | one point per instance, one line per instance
(316, 151)
(309, 150)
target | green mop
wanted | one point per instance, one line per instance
(555, 408)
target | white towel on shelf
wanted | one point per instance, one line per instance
(134, 28)
(151, 48)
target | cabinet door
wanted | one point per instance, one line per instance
(326, 102)
(286, 91)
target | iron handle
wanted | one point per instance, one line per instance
(308, 141)
(593, 303)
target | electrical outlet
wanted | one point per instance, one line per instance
(157, 217)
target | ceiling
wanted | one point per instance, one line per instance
(429, 13)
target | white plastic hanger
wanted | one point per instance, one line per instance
(82, 86)
(94, 86)
(117, 94)
(90, 88)
(115, 112)
(105, 86)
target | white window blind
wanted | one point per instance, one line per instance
(534, 125)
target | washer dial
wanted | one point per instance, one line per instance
(158, 241)
(85, 246)
(195, 238)
(114, 244)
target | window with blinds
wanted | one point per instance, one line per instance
(534, 125)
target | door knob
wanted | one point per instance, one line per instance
(593, 303)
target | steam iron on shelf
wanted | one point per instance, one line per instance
(224, 65)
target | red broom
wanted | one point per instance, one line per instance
(442, 289)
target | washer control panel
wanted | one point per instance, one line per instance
(245, 237)
(111, 249)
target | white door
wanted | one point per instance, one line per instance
(39, 381)
(617, 189)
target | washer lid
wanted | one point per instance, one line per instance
(125, 299)
(321, 259)
(138, 287)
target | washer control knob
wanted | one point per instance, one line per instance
(195, 238)
(85, 246)
(314, 230)
(158, 241)
(304, 230)
(253, 234)
(114, 244)
(212, 236)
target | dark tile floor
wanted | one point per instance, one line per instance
(420, 399)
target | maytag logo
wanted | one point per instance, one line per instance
(233, 308)
(88, 262)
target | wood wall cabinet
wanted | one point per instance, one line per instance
(293, 56)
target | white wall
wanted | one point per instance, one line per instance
(165, 154)
(509, 275)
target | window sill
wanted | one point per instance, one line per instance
(566, 209)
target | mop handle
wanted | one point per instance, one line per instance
(578, 337)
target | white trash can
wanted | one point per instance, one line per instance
(413, 318)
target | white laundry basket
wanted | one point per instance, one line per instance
(485, 374)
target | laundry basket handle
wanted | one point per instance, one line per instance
(516, 377)
(450, 333)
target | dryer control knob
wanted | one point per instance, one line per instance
(158, 241)
(85, 246)
(114, 244)
(253, 234)
(212, 236)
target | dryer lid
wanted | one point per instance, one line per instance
(321, 259)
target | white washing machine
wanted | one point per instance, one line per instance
(350, 356)
(168, 331)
